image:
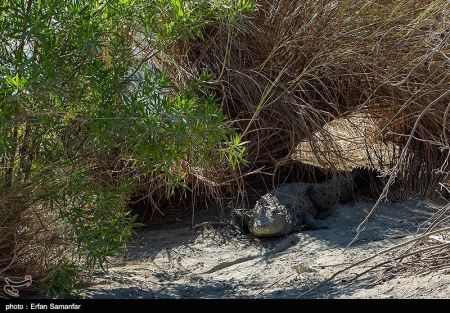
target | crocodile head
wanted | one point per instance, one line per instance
(270, 218)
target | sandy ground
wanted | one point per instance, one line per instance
(178, 261)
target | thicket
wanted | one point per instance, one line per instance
(86, 119)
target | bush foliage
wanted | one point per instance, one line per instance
(85, 118)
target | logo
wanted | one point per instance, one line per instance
(12, 285)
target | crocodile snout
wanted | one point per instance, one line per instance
(272, 225)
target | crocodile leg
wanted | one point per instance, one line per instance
(311, 223)
(240, 222)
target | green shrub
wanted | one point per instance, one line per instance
(85, 118)
(62, 281)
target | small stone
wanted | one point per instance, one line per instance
(302, 269)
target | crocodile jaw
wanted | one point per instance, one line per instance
(270, 225)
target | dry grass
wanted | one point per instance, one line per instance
(295, 66)
(33, 237)
(22, 250)
(354, 139)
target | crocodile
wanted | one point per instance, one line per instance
(293, 205)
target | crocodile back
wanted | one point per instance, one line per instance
(339, 189)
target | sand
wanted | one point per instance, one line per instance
(177, 261)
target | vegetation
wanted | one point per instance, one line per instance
(294, 66)
(85, 118)
(104, 100)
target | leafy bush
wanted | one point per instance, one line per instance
(85, 118)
